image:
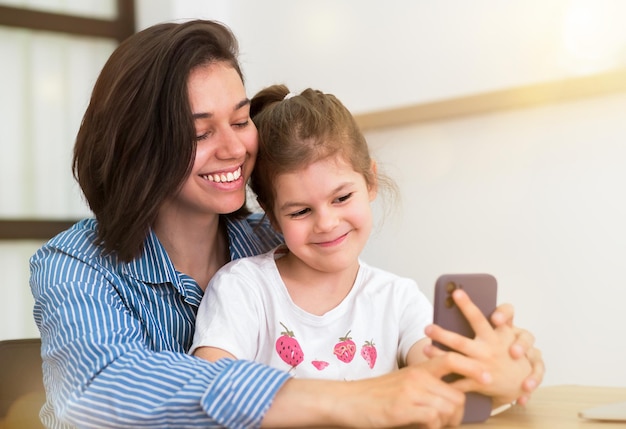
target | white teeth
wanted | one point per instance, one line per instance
(224, 177)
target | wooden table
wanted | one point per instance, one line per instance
(557, 407)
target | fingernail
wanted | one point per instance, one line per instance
(531, 384)
(459, 293)
(486, 378)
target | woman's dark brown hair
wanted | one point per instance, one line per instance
(137, 142)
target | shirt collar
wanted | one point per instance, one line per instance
(246, 237)
(153, 265)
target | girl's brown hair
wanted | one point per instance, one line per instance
(297, 130)
(136, 144)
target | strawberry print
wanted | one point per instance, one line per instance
(345, 349)
(319, 364)
(288, 348)
(369, 353)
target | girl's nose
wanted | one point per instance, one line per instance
(326, 220)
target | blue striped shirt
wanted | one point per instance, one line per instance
(114, 337)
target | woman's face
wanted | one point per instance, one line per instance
(226, 143)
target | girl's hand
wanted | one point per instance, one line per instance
(496, 348)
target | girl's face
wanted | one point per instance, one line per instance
(324, 214)
(226, 143)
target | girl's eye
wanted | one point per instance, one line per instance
(344, 198)
(299, 213)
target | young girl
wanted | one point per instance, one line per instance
(311, 306)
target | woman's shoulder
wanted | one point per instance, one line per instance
(251, 235)
(80, 241)
(81, 235)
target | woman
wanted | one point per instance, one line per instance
(162, 156)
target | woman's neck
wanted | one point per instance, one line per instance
(197, 247)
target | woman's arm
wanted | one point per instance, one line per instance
(112, 356)
(412, 395)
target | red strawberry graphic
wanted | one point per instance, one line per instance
(288, 348)
(369, 353)
(319, 364)
(345, 348)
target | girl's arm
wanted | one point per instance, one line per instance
(416, 353)
(212, 354)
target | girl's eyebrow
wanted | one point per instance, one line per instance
(205, 115)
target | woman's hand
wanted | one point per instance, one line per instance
(413, 395)
(502, 349)
(522, 347)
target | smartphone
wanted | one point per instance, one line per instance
(482, 290)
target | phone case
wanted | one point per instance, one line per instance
(482, 289)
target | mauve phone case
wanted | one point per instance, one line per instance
(482, 289)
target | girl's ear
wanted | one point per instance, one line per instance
(373, 187)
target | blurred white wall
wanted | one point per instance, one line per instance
(533, 196)
(376, 54)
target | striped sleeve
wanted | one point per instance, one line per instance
(111, 360)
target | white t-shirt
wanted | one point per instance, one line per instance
(248, 312)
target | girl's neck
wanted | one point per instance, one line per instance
(197, 247)
(314, 291)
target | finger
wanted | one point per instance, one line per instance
(431, 351)
(524, 342)
(452, 362)
(466, 385)
(503, 315)
(472, 313)
(450, 339)
(433, 402)
(537, 372)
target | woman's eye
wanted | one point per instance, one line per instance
(242, 124)
(204, 135)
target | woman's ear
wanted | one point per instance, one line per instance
(373, 187)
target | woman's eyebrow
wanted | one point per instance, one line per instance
(205, 115)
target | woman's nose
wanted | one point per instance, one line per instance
(230, 145)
